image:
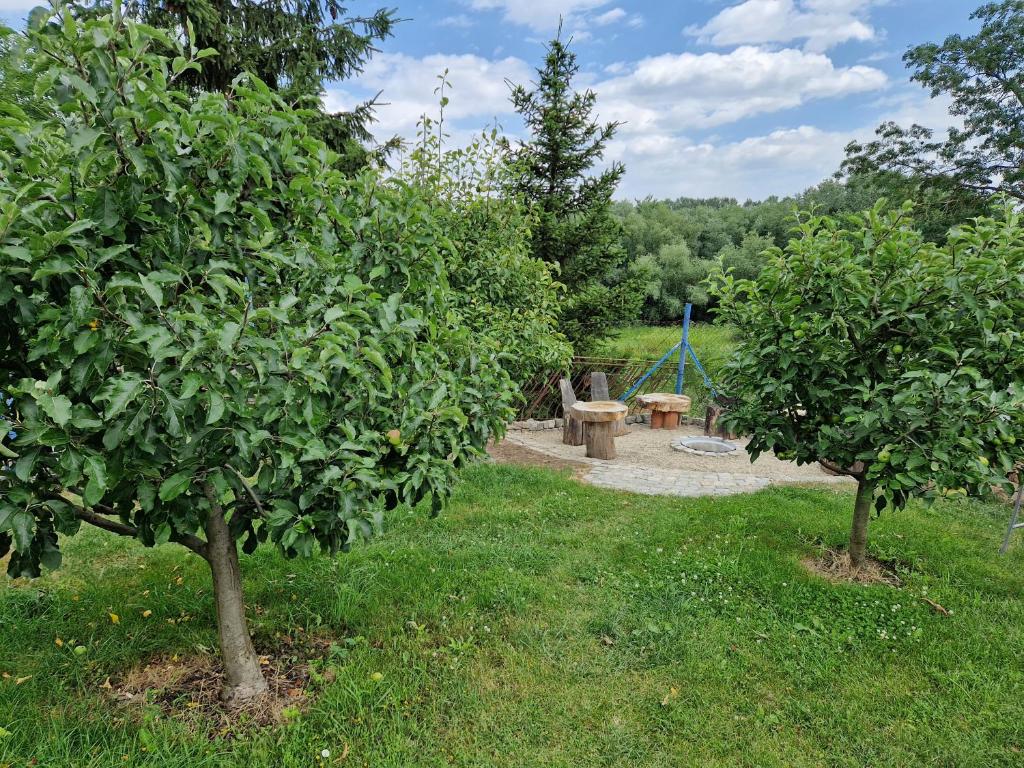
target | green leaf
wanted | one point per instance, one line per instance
(23, 469)
(50, 557)
(377, 359)
(315, 450)
(22, 524)
(216, 407)
(57, 408)
(175, 485)
(162, 534)
(152, 290)
(96, 470)
(190, 385)
(228, 335)
(119, 393)
(222, 203)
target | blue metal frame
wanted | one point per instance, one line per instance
(684, 347)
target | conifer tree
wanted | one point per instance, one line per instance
(574, 228)
(294, 46)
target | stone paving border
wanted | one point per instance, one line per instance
(655, 481)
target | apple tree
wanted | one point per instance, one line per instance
(211, 336)
(884, 357)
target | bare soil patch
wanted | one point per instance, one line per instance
(187, 688)
(507, 452)
(834, 565)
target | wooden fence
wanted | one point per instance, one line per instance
(544, 401)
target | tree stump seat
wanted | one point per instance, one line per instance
(600, 420)
(666, 409)
(711, 424)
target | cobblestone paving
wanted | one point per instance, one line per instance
(663, 482)
(660, 481)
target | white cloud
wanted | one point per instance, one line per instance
(683, 91)
(671, 102)
(822, 23)
(610, 17)
(540, 15)
(479, 92)
(781, 162)
(670, 93)
(459, 21)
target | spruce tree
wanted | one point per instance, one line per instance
(574, 227)
(294, 46)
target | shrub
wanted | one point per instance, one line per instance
(883, 356)
(211, 335)
(499, 289)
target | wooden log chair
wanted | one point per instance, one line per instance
(599, 393)
(714, 412)
(572, 425)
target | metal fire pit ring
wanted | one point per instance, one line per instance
(705, 446)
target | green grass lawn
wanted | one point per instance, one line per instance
(538, 622)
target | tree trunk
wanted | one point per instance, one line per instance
(859, 530)
(243, 678)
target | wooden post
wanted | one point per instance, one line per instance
(657, 419)
(572, 426)
(601, 439)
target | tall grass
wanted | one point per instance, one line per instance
(712, 343)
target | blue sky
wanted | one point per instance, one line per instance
(746, 98)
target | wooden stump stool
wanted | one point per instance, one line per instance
(711, 425)
(666, 409)
(599, 423)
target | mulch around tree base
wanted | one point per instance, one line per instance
(834, 565)
(187, 688)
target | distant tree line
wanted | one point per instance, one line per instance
(673, 245)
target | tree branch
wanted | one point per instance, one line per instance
(114, 526)
(855, 471)
(249, 490)
(187, 540)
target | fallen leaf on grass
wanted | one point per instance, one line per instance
(20, 680)
(936, 607)
(672, 693)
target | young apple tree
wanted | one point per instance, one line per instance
(211, 336)
(884, 357)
